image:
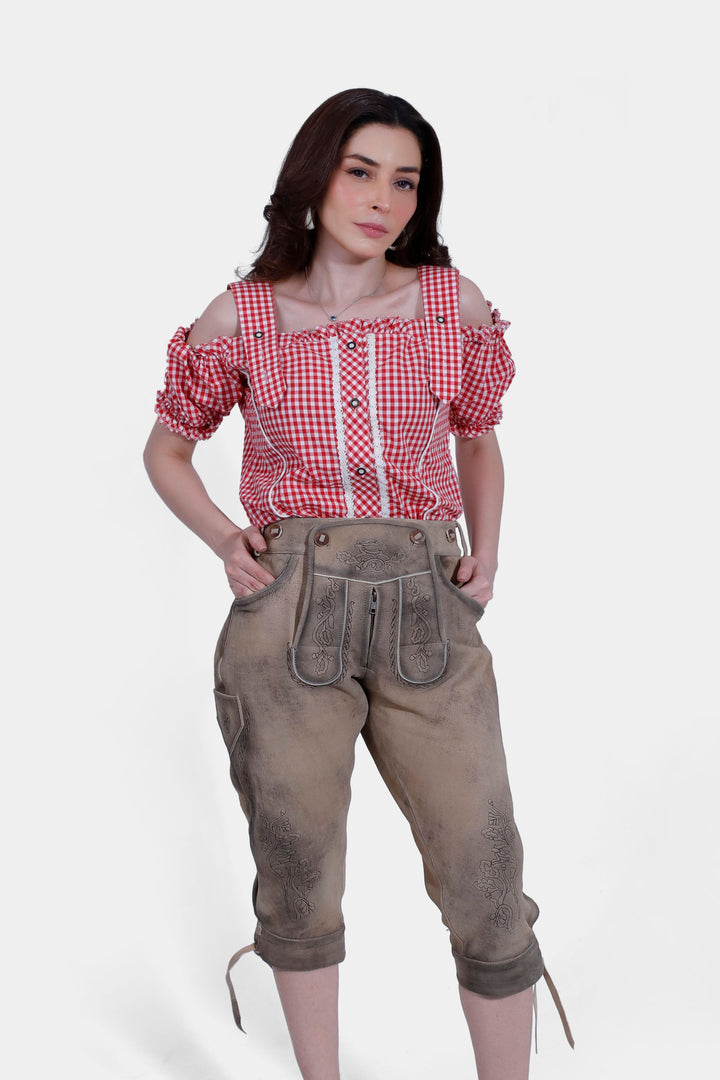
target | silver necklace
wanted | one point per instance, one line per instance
(334, 318)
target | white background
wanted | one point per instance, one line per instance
(141, 144)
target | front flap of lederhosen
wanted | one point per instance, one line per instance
(316, 654)
(256, 316)
(441, 301)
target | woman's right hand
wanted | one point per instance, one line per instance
(244, 573)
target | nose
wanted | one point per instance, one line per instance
(381, 198)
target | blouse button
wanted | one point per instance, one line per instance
(354, 403)
(258, 334)
(351, 344)
(361, 471)
(440, 318)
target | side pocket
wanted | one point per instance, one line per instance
(281, 566)
(232, 725)
(230, 718)
(447, 572)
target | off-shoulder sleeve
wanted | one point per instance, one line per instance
(487, 371)
(202, 383)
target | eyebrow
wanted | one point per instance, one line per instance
(369, 161)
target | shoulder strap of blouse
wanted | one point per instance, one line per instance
(255, 305)
(440, 287)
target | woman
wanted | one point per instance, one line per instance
(353, 349)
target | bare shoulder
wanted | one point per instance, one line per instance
(219, 319)
(474, 310)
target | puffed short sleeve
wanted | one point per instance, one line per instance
(202, 383)
(487, 371)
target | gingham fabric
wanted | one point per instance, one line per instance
(350, 420)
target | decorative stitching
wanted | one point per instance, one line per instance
(371, 554)
(420, 624)
(297, 876)
(323, 633)
(499, 875)
(346, 642)
(392, 655)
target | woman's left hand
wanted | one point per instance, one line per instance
(476, 579)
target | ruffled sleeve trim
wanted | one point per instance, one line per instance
(202, 384)
(488, 370)
(488, 331)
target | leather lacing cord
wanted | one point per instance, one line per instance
(550, 985)
(558, 1005)
(231, 964)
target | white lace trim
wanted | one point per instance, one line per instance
(340, 428)
(375, 429)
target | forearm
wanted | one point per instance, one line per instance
(173, 476)
(482, 482)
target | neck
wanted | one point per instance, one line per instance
(337, 278)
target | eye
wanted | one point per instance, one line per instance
(357, 171)
(407, 185)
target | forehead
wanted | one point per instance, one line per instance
(386, 145)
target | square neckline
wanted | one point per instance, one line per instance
(321, 330)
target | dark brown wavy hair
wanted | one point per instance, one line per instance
(305, 174)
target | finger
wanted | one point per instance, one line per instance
(249, 582)
(254, 539)
(466, 568)
(245, 568)
(238, 590)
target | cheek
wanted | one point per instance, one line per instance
(340, 193)
(409, 209)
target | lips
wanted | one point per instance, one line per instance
(371, 229)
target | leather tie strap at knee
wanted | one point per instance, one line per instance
(559, 1006)
(233, 1000)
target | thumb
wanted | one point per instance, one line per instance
(255, 538)
(465, 570)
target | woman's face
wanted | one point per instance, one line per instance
(372, 192)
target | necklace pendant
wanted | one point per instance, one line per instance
(333, 318)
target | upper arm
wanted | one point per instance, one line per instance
(219, 319)
(162, 441)
(474, 310)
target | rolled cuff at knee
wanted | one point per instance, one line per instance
(300, 954)
(500, 978)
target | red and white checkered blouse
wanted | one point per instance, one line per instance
(346, 420)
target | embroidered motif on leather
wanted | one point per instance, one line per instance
(279, 842)
(323, 633)
(371, 555)
(421, 659)
(499, 874)
(419, 625)
(392, 655)
(346, 642)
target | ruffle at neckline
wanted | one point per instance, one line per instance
(393, 324)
